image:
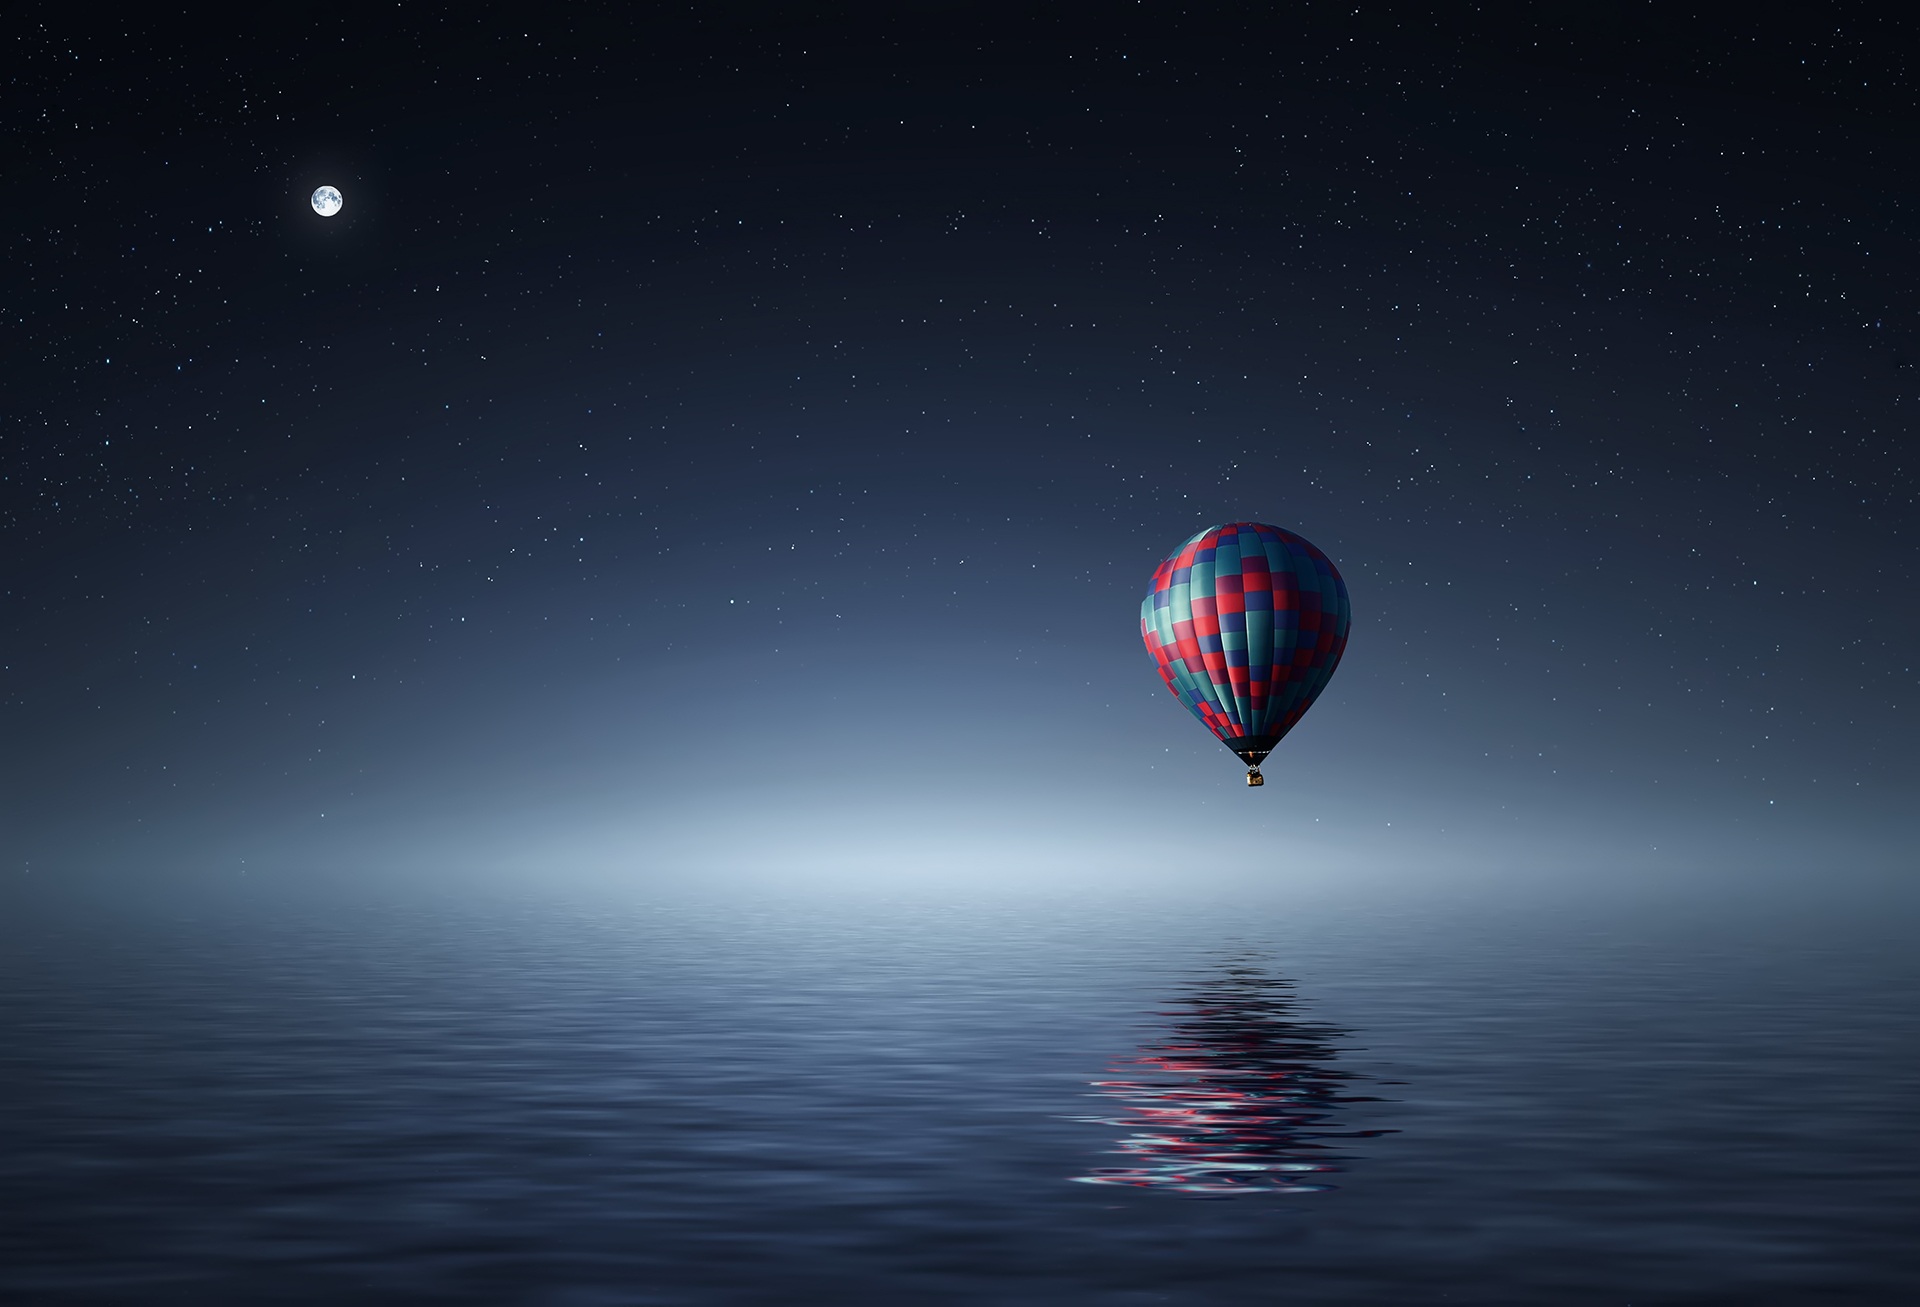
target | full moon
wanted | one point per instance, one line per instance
(326, 201)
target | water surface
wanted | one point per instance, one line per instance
(777, 1098)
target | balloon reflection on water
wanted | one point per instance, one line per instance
(1241, 1097)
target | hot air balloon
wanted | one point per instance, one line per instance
(1246, 623)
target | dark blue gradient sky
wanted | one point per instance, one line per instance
(736, 442)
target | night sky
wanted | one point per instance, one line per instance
(735, 439)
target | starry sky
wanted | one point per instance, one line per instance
(736, 438)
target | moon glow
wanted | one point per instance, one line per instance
(326, 201)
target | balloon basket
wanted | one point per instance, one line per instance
(1254, 777)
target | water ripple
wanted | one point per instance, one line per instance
(1238, 1098)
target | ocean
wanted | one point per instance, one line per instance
(765, 1095)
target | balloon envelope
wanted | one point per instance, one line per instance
(1246, 622)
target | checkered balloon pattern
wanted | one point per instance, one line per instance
(1246, 623)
